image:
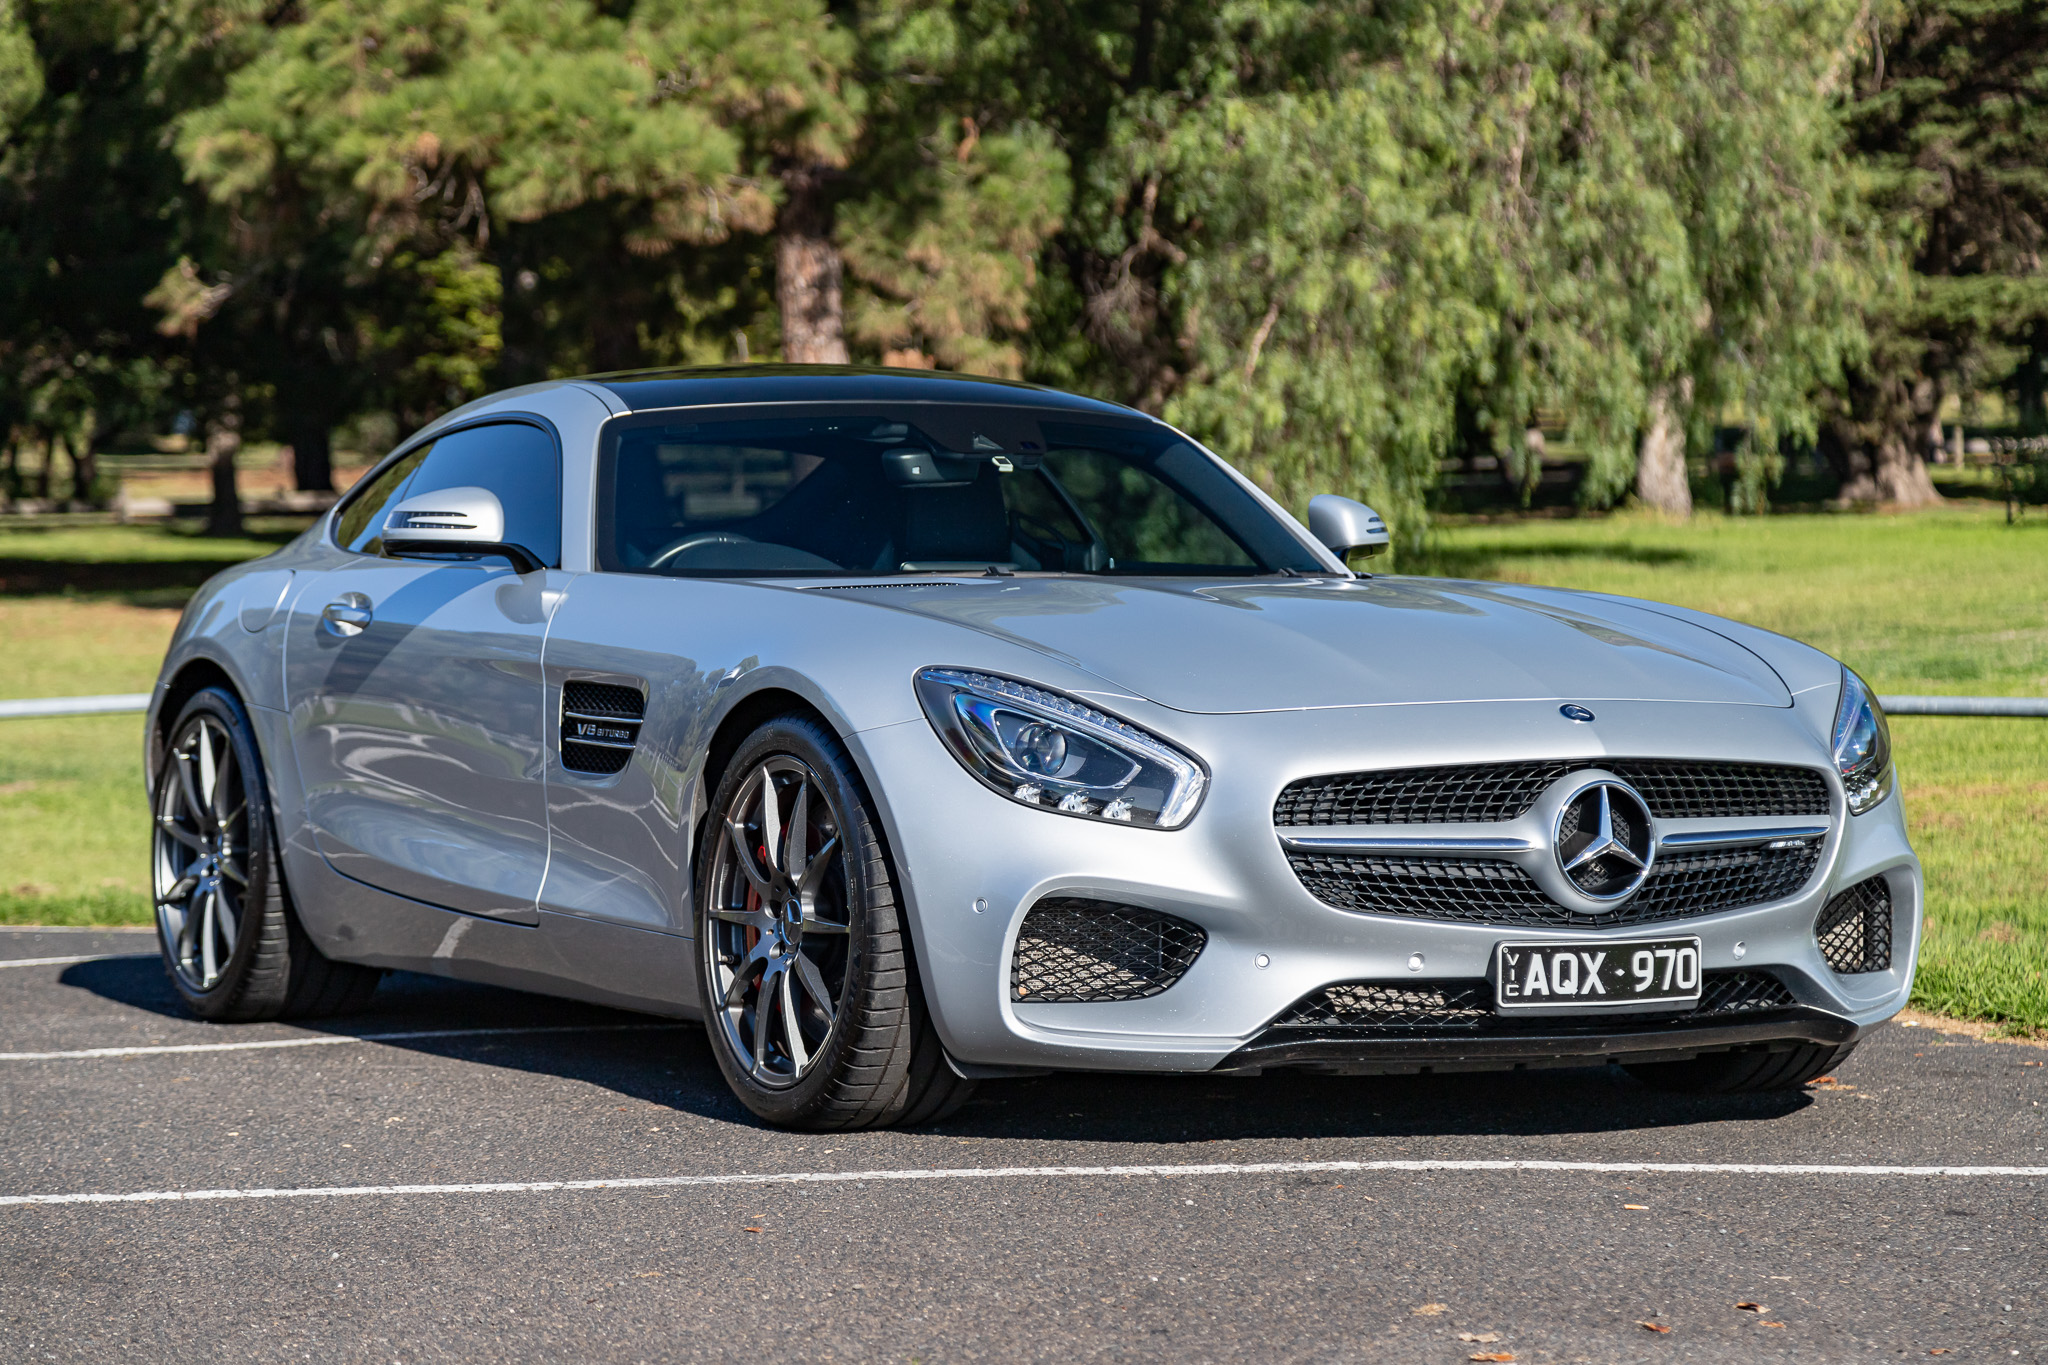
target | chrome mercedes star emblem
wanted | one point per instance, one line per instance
(1603, 840)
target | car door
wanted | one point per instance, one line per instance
(415, 685)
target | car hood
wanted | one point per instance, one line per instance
(1283, 644)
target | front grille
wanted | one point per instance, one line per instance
(1489, 891)
(1493, 792)
(1467, 1007)
(605, 709)
(1855, 928)
(1071, 950)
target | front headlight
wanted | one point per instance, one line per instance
(1863, 745)
(1047, 750)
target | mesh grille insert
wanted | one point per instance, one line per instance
(1855, 928)
(605, 702)
(1467, 1007)
(603, 699)
(594, 758)
(1493, 792)
(1489, 891)
(1071, 950)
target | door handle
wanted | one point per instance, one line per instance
(348, 616)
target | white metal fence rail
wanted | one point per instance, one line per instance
(74, 706)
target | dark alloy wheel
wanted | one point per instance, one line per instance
(230, 938)
(812, 1007)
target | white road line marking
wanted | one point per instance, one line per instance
(665, 1182)
(64, 961)
(330, 1040)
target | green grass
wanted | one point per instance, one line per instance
(88, 610)
(1947, 601)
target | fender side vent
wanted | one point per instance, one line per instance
(1071, 950)
(1855, 928)
(600, 726)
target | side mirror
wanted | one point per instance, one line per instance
(454, 521)
(1346, 526)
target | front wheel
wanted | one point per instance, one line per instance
(1743, 1073)
(231, 941)
(811, 1001)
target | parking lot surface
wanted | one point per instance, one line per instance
(1303, 1220)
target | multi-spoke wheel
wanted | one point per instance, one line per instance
(813, 1011)
(777, 904)
(202, 839)
(230, 937)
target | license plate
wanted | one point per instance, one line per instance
(1556, 976)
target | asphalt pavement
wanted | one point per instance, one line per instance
(469, 1156)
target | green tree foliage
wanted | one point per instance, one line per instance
(1952, 122)
(1345, 241)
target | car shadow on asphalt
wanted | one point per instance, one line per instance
(636, 1057)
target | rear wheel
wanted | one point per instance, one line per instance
(1738, 1073)
(811, 1002)
(231, 941)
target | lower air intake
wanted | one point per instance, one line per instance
(1855, 928)
(1467, 1007)
(1071, 950)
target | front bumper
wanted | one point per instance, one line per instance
(971, 864)
(1353, 1055)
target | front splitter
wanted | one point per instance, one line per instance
(1358, 1054)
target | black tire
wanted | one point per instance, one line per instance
(878, 1060)
(1743, 1073)
(271, 970)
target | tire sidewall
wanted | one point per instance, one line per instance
(871, 910)
(223, 707)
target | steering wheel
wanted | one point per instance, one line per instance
(671, 550)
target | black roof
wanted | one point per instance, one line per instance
(648, 390)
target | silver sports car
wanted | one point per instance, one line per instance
(911, 730)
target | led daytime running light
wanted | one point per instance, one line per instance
(1049, 751)
(1863, 745)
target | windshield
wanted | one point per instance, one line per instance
(926, 490)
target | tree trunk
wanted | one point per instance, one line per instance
(49, 467)
(312, 453)
(1661, 480)
(223, 443)
(807, 273)
(1877, 446)
(85, 471)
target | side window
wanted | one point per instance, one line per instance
(363, 518)
(515, 461)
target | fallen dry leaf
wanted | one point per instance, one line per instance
(1636, 1206)
(1770, 1324)
(1941, 1351)
(1482, 1338)
(750, 1229)
(1822, 1080)
(1654, 1327)
(1430, 1310)
(648, 1274)
(1491, 1355)
(1748, 1307)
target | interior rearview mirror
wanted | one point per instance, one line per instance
(454, 521)
(1346, 526)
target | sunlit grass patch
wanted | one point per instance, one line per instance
(74, 822)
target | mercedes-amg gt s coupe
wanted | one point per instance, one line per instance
(912, 729)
